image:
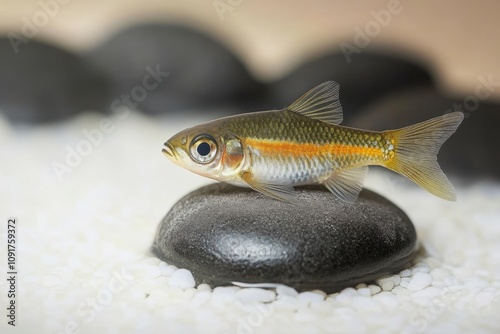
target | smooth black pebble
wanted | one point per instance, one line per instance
(42, 82)
(471, 152)
(225, 234)
(192, 70)
(369, 76)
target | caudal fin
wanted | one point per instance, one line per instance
(416, 149)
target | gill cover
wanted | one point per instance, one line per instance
(233, 156)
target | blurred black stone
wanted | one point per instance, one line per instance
(224, 233)
(202, 73)
(368, 77)
(42, 82)
(473, 151)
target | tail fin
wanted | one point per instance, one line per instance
(416, 149)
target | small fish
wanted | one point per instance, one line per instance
(273, 151)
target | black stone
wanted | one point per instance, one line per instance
(42, 82)
(203, 73)
(368, 77)
(224, 233)
(472, 152)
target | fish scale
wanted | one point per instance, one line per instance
(276, 128)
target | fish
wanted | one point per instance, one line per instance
(304, 143)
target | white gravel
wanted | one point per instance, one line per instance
(85, 265)
(182, 278)
(419, 281)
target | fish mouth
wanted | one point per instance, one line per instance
(169, 151)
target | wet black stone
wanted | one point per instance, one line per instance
(224, 233)
(368, 77)
(42, 82)
(471, 152)
(202, 72)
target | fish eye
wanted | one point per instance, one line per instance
(203, 149)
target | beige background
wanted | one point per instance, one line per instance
(460, 39)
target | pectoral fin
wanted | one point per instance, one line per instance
(280, 192)
(347, 183)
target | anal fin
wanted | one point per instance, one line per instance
(284, 193)
(347, 183)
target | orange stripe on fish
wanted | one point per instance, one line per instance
(310, 150)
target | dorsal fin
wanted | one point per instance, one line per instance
(322, 103)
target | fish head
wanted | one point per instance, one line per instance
(206, 150)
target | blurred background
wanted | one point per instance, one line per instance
(458, 38)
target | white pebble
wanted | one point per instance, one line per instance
(349, 292)
(419, 281)
(309, 297)
(361, 286)
(331, 298)
(405, 273)
(168, 270)
(404, 282)
(396, 279)
(204, 287)
(400, 291)
(374, 289)
(284, 290)
(364, 292)
(420, 270)
(346, 295)
(387, 285)
(183, 279)
(224, 293)
(255, 295)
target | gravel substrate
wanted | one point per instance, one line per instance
(85, 263)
